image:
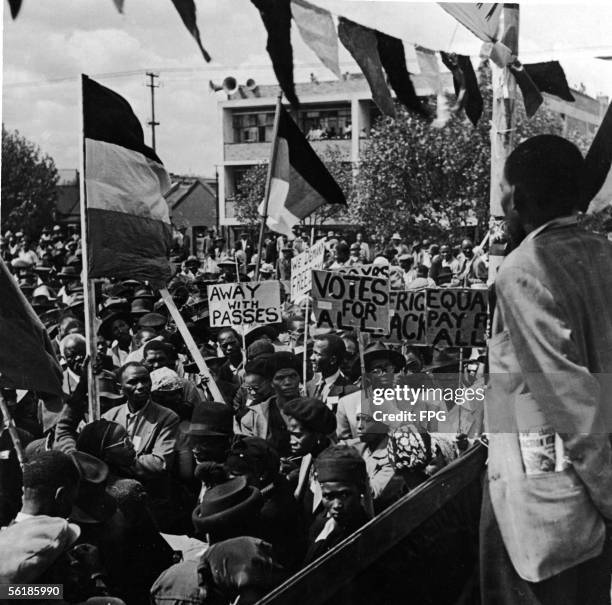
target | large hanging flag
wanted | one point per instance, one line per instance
(466, 85)
(128, 224)
(276, 16)
(300, 181)
(187, 10)
(362, 44)
(373, 51)
(316, 26)
(598, 174)
(27, 360)
(549, 77)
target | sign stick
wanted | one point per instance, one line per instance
(191, 346)
(268, 182)
(88, 285)
(9, 424)
(365, 383)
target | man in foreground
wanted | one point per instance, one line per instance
(548, 498)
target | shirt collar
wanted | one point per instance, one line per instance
(139, 412)
(563, 221)
(331, 379)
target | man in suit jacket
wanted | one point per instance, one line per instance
(329, 383)
(549, 493)
(152, 428)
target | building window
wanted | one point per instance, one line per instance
(253, 127)
(326, 123)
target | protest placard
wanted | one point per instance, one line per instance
(371, 270)
(344, 301)
(408, 321)
(456, 317)
(244, 304)
(301, 267)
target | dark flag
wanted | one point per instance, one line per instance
(128, 224)
(27, 360)
(187, 10)
(393, 59)
(549, 77)
(300, 181)
(532, 97)
(276, 17)
(466, 85)
(374, 51)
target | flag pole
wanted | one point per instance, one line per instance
(268, 182)
(191, 346)
(503, 122)
(9, 425)
(88, 285)
(306, 322)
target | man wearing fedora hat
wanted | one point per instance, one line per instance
(115, 329)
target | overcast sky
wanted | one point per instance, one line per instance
(53, 41)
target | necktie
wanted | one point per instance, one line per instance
(319, 390)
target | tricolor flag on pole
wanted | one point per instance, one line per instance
(299, 181)
(598, 160)
(128, 224)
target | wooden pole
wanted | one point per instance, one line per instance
(88, 287)
(9, 425)
(502, 118)
(268, 182)
(191, 346)
(307, 321)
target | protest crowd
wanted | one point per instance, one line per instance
(285, 460)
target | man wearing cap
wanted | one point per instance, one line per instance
(329, 383)
(356, 257)
(115, 329)
(396, 242)
(151, 427)
(364, 247)
(343, 480)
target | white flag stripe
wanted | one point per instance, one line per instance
(122, 180)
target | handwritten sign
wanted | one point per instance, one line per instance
(456, 317)
(346, 301)
(244, 304)
(408, 317)
(301, 268)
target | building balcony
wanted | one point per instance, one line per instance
(260, 152)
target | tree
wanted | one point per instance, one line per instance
(250, 191)
(424, 181)
(29, 180)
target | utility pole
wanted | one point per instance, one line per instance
(152, 123)
(503, 123)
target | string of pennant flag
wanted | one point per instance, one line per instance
(382, 59)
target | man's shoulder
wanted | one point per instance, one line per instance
(159, 413)
(115, 412)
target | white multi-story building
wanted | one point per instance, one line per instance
(333, 114)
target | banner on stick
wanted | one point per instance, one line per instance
(243, 304)
(344, 301)
(301, 268)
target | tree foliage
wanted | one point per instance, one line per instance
(424, 181)
(250, 191)
(29, 180)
